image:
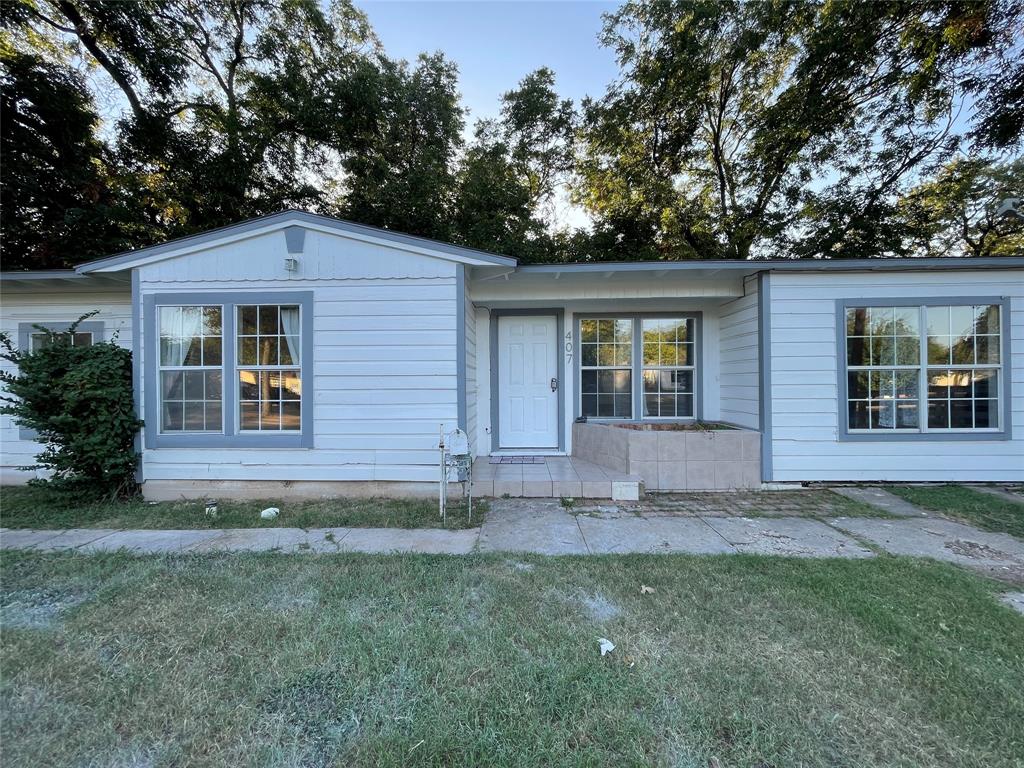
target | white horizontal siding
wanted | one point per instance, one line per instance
(54, 306)
(384, 363)
(805, 413)
(738, 340)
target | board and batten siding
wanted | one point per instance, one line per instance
(57, 306)
(805, 417)
(739, 387)
(384, 361)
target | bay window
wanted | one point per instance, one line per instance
(638, 367)
(923, 368)
(228, 369)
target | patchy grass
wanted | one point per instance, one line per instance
(981, 509)
(256, 660)
(816, 502)
(28, 507)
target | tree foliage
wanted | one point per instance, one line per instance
(79, 401)
(792, 127)
(736, 129)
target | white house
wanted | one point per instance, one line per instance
(297, 353)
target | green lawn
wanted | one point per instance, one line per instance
(981, 509)
(274, 660)
(27, 507)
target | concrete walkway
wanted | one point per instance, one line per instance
(545, 527)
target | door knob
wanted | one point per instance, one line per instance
(554, 384)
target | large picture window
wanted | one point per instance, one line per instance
(923, 368)
(638, 367)
(228, 369)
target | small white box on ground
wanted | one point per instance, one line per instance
(625, 490)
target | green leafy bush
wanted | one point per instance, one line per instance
(79, 402)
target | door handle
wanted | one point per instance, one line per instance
(554, 385)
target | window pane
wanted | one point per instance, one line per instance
(857, 385)
(908, 350)
(172, 385)
(906, 321)
(938, 321)
(987, 349)
(247, 321)
(173, 416)
(268, 320)
(184, 332)
(961, 415)
(247, 350)
(194, 385)
(212, 350)
(588, 331)
(858, 350)
(987, 319)
(986, 414)
(588, 354)
(939, 352)
(938, 414)
(291, 416)
(986, 383)
(859, 414)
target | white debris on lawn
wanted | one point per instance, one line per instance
(270, 513)
(607, 646)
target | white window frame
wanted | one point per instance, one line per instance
(163, 368)
(923, 432)
(260, 368)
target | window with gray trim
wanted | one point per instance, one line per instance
(923, 368)
(640, 367)
(269, 381)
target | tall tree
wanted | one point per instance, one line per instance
(957, 212)
(232, 107)
(403, 175)
(57, 201)
(741, 129)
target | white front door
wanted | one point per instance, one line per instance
(527, 382)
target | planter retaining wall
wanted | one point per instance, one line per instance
(679, 460)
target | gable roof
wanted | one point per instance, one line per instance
(279, 221)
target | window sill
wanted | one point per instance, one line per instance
(219, 441)
(924, 437)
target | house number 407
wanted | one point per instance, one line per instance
(568, 347)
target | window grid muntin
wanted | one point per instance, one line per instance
(925, 369)
(210, 424)
(689, 346)
(265, 372)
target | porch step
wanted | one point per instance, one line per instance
(556, 477)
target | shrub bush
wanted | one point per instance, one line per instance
(80, 403)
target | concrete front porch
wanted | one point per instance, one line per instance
(552, 477)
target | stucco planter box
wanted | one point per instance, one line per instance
(674, 460)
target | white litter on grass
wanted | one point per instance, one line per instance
(270, 513)
(607, 646)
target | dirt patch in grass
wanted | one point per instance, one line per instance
(43, 608)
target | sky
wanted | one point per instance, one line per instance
(496, 44)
